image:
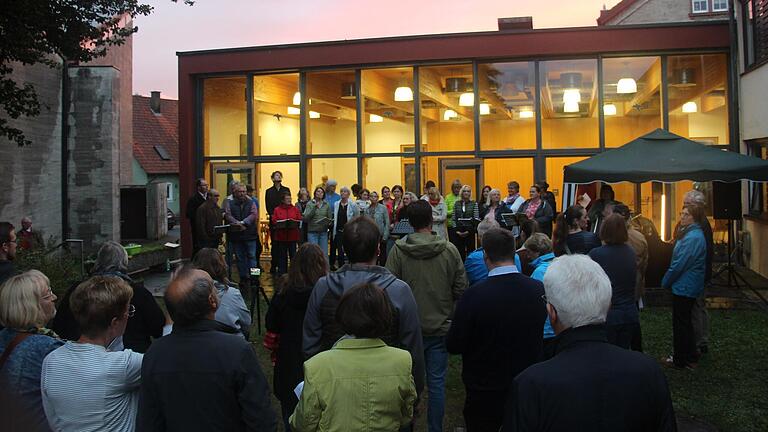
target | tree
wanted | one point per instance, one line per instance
(39, 31)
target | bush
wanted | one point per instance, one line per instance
(62, 266)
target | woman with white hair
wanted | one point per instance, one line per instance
(439, 212)
(26, 306)
(149, 319)
(466, 216)
(343, 211)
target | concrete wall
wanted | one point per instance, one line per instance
(658, 11)
(33, 173)
(94, 154)
(140, 177)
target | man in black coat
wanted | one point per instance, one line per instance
(195, 201)
(589, 385)
(203, 376)
(497, 328)
(7, 251)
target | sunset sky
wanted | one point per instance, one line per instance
(213, 24)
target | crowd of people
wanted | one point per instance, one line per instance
(531, 311)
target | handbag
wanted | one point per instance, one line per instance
(11, 346)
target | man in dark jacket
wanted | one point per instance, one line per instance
(321, 331)
(203, 376)
(7, 251)
(491, 358)
(243, 216)
(432, 267)
(589, 385)
(195, 201)
(209, 215)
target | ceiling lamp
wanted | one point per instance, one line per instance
(626, 85)
(375, 118)
(571, 107)
(684, 77)
(609, 109)
(348, 90)
(526, 113)
(690, 107)
(571, 96)
(455, 85)
(467, 99)
(485, 108)
(294, 111)
(297, 98)
(403, 94)
(314, 115)
(450, 114)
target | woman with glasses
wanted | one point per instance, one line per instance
(112, 260)
(84, 386)
(27, 304)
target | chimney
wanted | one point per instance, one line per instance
(154, 102)
(515, 23)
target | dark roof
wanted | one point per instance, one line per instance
(156, 136)
(610, 14)
(666, 157)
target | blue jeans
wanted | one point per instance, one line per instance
(436, 359)
(320, 239)
(246, 251)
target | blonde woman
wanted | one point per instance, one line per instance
(439, 212)
(492, 208)
(26, 305)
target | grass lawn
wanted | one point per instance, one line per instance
(728, 390)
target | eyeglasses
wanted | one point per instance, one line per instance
(131, 310)
(48, 294)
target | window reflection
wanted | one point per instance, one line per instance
(569, 104)
(507, 104)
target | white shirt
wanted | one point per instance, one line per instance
(503, 270)
(87, 388)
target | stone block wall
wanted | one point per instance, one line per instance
(32, 174)
(94, 154)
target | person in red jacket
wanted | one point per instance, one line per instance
(285, 221)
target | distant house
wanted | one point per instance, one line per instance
(629, 12)
(156, 144)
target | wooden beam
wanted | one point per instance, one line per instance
(707, 80)
(648, 85)
(432, 88)
(377, 87)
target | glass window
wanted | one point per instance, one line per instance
(447, 106)
(332, 112)
(499, 172)
(388, 110)
(555, 167)
(444, 169)
(275, 116)
(389, 171)
(569, 116)
(699, 6)
(290, 171)
(631, 98)
(507, 106)
(343, 170)
(698, 97)
(719, 5)
(224, 117)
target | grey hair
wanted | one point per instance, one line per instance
(331, 182)
(193, 305)
(412, 196)
(26, 219)
(695, 197)
(579, 290)
(111, 258)
(485, 225)
(488, 200)
(345, 189)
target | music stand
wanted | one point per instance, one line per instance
(730, 268)
(255, 303)
(402, 228)
(512, 222)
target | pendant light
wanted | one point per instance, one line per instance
(526, 113)
(609, 109)
(314, 115)
(690, 107)
(571, 106)
(450, 114)
(485, 108)
(467, 99)
(403, 93)
(294, 110)
(375, 118)
(626, 86)
(572, 96)
(297, 98)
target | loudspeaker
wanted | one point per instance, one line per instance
(726, 200)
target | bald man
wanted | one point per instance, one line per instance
(202, 364)
(26, 237)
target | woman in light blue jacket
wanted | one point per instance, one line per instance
(349, 210)
(685, 277)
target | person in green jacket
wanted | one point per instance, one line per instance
(317, 216)
(432, 267)
(361, 384)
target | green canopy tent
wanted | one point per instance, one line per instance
(665, 157)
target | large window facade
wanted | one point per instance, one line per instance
(482, 122)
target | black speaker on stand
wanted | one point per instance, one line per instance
(726, 204)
